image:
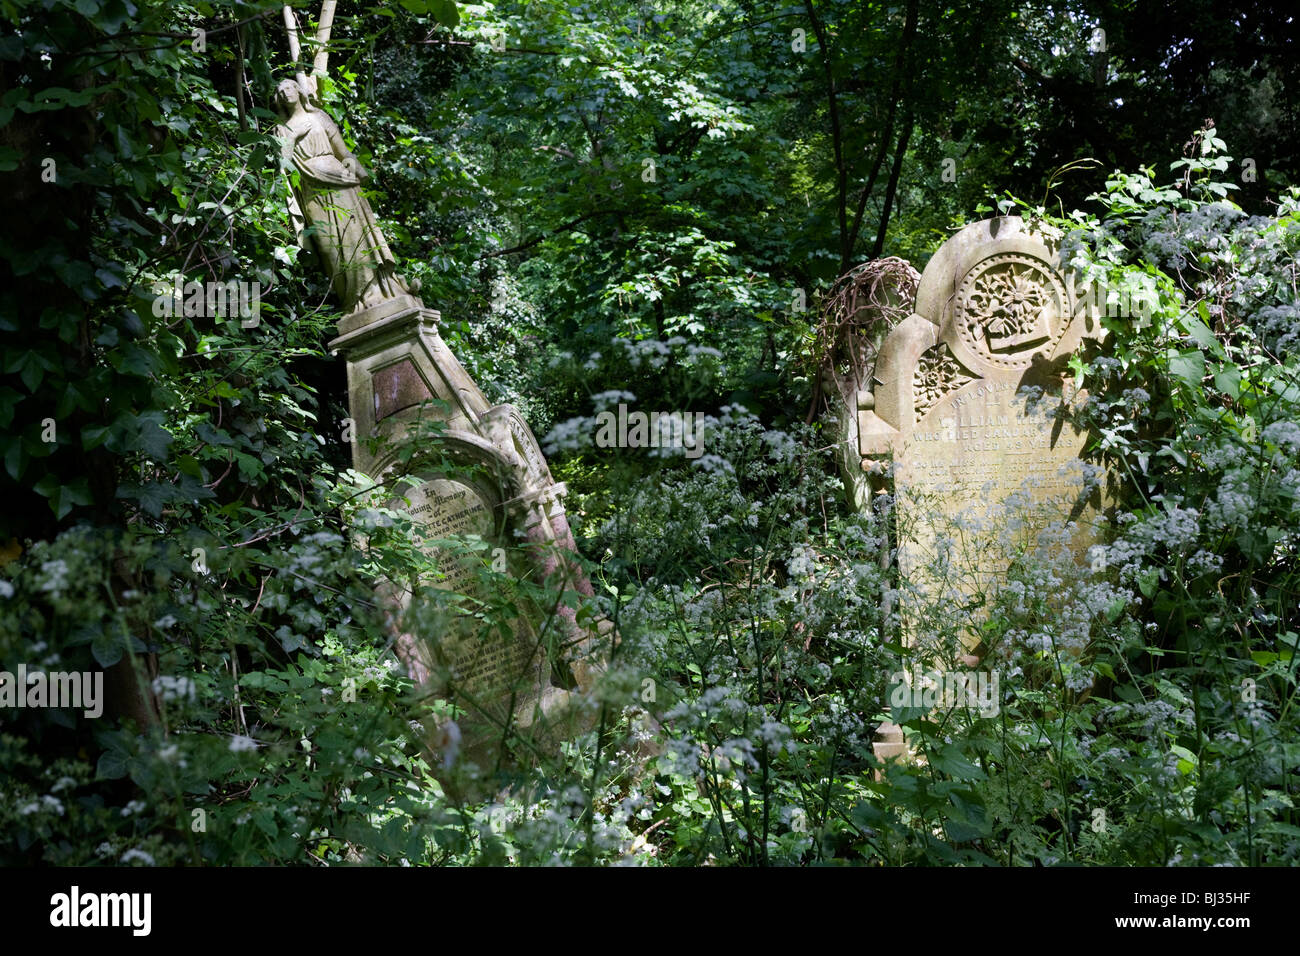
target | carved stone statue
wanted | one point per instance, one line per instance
(347, 237)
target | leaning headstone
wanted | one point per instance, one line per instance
(482, 477)
(964, 421)
(486, 482)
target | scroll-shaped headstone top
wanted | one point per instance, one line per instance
(997, 291)
(992, 303)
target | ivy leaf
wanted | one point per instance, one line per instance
(153, 439)
(111, 765)
(15, 458)
(152, 496)
(106, 648)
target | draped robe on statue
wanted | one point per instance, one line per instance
(347, 236)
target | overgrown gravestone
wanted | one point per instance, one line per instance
(481, 480)
(476, 485)
(964, 423)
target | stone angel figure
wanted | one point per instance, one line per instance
(346, 234)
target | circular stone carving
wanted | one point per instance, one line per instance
(1009, 307)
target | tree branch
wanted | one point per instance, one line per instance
(900, 65)
(542, 237)
(323, 28)
(841, 174)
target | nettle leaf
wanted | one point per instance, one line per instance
(1189, 367)
(1228, 382)
(950, 760)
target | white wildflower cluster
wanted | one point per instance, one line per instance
(839, 722)
(1175, 529)
(1137, 398)
(1285, 434)
(781, 446)
(173, 688)
(650, 352)
(1205, 234)
(378, 672)
(696, 352)
(802, 564)
(1254, 713)
(603, 401)
(545, 831)
(1169, 772)
(172, 754)
(46, 804)
(1204, 562)
(1104, 366)
(570, 435)
(1289, 487)
(709, 716)
(54, 576)
(1234, 503)
(1155, 719)
(1279, 325)
(711, 464)
(1054, 606)
(1222, 455)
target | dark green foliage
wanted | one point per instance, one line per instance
(616, 203)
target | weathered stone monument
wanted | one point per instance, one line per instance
(486, 479)
(962, 421)
(482, 479)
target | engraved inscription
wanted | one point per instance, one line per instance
(984, 461)
(446, 508)
(480, 660)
